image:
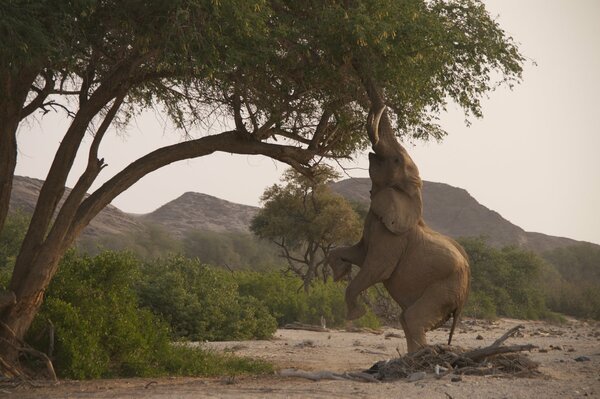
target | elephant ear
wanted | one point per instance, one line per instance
(398, 211)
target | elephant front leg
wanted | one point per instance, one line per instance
(341, 259)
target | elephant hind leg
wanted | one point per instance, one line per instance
(423, 315)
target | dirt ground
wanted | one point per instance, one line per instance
(340, 351)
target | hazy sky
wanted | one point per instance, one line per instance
(534, 157)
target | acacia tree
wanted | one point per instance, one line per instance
(290, 76)
(306, 219)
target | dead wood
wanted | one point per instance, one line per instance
(480, 354)
(507, 335)
(329, 375)
(440, 360)
(307, 327)
(364, 330)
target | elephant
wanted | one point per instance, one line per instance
(425, 272)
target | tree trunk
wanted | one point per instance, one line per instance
(13, 94)
(29, 292)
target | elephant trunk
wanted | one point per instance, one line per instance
(379, 126)
(383, 138)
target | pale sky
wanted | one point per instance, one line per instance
(534, 157)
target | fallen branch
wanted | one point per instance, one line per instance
(480, 354)
(329, 375)
(494, 359)
(307, 327)
(507, 335)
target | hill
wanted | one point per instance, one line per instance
(110, 221)
(450, 210)
(453, 211)
(196, 211)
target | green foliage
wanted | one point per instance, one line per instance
(576, 291)
(101, 331)
(576, 263)
(305, 218)
(151, 242)
(424, 53)
(201, 302)
(287, 302)
(504, 282)
(231, 249)
(11, 238)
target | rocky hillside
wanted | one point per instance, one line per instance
(447, 209)
(453, 211)
(195, 211)
(108, 222)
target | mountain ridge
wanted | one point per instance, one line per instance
(447, 209)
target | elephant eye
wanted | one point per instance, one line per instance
(398, 160)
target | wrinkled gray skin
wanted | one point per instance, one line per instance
(425, 272)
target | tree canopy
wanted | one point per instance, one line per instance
(289, 76)
(306, 219)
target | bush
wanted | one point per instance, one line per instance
(11, 237)
(505, 282)
(101, 331)
(287, 301)
(202, 302)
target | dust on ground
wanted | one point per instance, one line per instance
(338, 351)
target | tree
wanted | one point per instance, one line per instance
(289, 75)
(306, 219)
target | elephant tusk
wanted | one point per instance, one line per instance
(373, 124)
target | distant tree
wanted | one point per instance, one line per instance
(289, 77)
(306, 219)
(504, 282)
(576, 263)
(232, 250)
(576, 291)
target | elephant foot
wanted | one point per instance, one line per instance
(355, 312)
(340, 269)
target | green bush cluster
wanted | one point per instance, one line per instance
(287, 301)
(233, 250)
(100, 330)
(202, 302)
(505, 282)
(576, 289)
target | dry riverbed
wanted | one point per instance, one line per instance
(338, 351)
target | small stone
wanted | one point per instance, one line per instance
(479, 337)
(419, 375)
(456, 378)
(582, 359)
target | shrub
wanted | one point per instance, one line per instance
(202, 302)
(505, 282)
(101, 331)
(286, 299)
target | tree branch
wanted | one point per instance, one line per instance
(42, 94)
(237, 112)
(231, 141)
(65, 217)
(321, 129)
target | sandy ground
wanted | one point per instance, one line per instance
(339, 351)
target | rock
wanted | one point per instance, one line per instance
(419, 375)
(479, 337)
(457, 378)
(582, 359)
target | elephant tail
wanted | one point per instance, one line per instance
(455, 317)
